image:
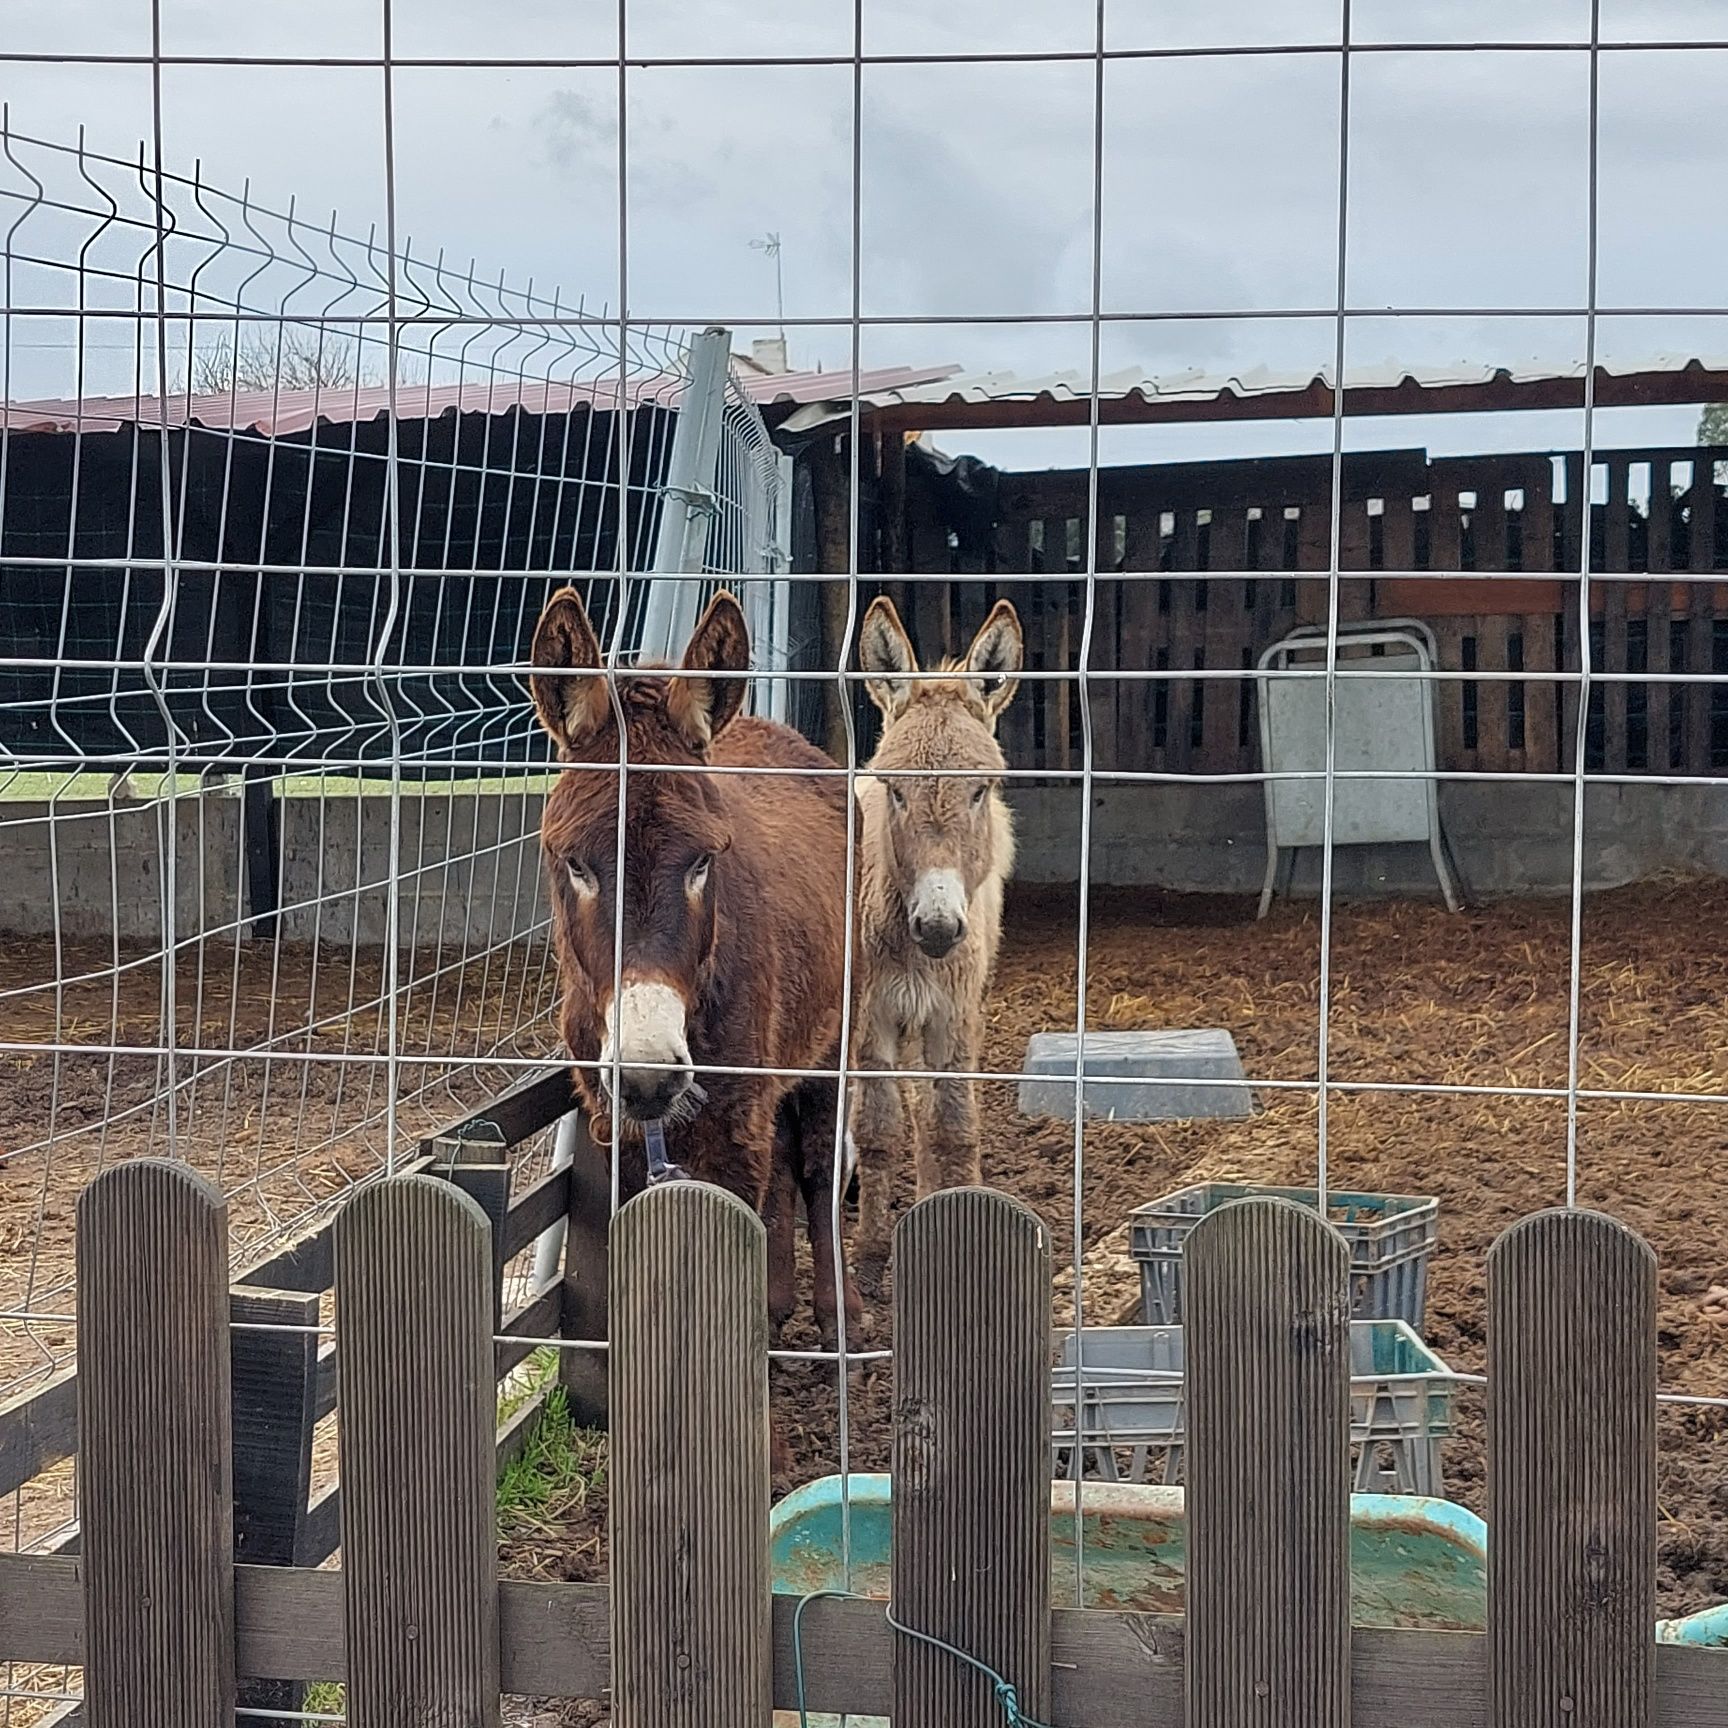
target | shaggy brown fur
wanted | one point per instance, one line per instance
(921, 1005)
(732, 897)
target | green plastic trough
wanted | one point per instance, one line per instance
(1414, 1562)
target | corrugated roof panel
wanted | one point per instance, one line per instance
(284, 412)
(1250, 384)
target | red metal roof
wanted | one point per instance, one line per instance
(283, 412)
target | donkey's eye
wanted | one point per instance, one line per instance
(582, 879)
(896, 797)
(979, 794)
(696, 877)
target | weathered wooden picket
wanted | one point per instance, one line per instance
(418, 1624)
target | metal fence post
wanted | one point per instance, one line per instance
(549, 1250)
(687, 502)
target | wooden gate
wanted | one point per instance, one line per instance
(421, 1629)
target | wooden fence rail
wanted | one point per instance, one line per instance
(165, 1625)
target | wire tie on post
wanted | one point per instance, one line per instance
(1007, 1694)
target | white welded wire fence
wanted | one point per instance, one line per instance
(272, 797)
(344, 938)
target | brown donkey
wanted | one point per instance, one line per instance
(733, 928)
(933, 856)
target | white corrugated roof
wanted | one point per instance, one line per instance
(276, 412)
(1246, 384)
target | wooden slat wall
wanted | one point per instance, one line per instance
(1409, 528)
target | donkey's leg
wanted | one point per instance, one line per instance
(780, 1218)
(879, 1127)
(816, 1112)
(953, 1042)
(917, 1110)
(737, 1145)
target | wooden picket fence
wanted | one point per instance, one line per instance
(1486, 549)
(422, 1631)
(284, 1374)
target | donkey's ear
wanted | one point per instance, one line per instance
(702, 707)
(997, 653)
(571, 708)
(885, 653)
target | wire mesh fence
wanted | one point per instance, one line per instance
(269, 516)
(282, 503)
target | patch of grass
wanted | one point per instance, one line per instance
(41, 785)
(558, 1470)
(327, 1698)
(531, 1377)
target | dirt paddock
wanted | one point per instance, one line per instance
(1418, 996)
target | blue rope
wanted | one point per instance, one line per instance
(1006, 1694)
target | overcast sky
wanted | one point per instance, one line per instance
(1468, 183)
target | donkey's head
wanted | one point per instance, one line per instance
(947, 833)
(676, 833)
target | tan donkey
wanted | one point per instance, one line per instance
(933, 856)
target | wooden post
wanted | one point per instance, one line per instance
(831, 483)
(1576, 519)
(262, 825)
(1616, 660)
(155, 1465)
(1493, 707)
(1183, 623)
(1055, 696)
(1016, 729)
(478, 1163)
(1658, 615)
(418, 1403)
(1701, 617)
(582, 1373)
(891, 504)
(1140, 621)
(1266, 1289)
(971, 1538)
(275, 1381)
(691, 1624)
(1541, 630)
(1221, 637)
(1571, 1474)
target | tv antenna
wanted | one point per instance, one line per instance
(769, 246)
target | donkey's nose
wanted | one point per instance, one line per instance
(939, 933)
(648, 1093)
(936, 911)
